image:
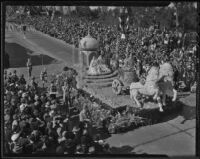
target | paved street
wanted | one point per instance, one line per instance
(42, 44)
(173, 137)
(163, 138)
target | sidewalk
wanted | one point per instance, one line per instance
(164, 138)
(175, 137)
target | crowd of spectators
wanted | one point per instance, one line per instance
(145, 44)
(38, 122)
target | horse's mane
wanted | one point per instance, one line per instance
(152, 74)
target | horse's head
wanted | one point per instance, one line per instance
(166, 69)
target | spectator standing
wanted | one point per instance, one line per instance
(29, 67)
(33, 85)
(43, 76)
(53, 90)
(64, 89)
(85, 118)
(14, 77)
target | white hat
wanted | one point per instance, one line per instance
(14, 123)
(22, 107)
(51, 112)
(59, 131)
(101, 142)
(15, 137)
(20, 91)
(24, 94)
(11, 84)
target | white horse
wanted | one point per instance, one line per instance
(159, 81)
(150, 88)
(167, 87)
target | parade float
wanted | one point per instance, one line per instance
(94, 72)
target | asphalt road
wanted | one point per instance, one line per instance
(37, 43)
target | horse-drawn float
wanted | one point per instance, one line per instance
(124, 80)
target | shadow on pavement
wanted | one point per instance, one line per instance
(122, 150)
(128, 150)
(185, 108)
(171, 111)
(18, 56)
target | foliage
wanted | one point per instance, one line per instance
(83, 11)
(187, 16)
(139, 16)
(123, 122)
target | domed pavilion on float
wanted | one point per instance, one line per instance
(88, 47)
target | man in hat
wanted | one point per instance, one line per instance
(65, 90)
(22, 80)
(85, 119)
(97, 146)
(69, 146)
(23, 141)
(53, 90)
(77, 132)
(43, 98)
(85, 114)
(86, 142)
(29, 67)
(15, 146)
(33, 84)
(43, 76)
(23, 105)
(14, 77)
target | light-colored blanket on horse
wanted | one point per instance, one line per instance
(153, 76)
(150, 85)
